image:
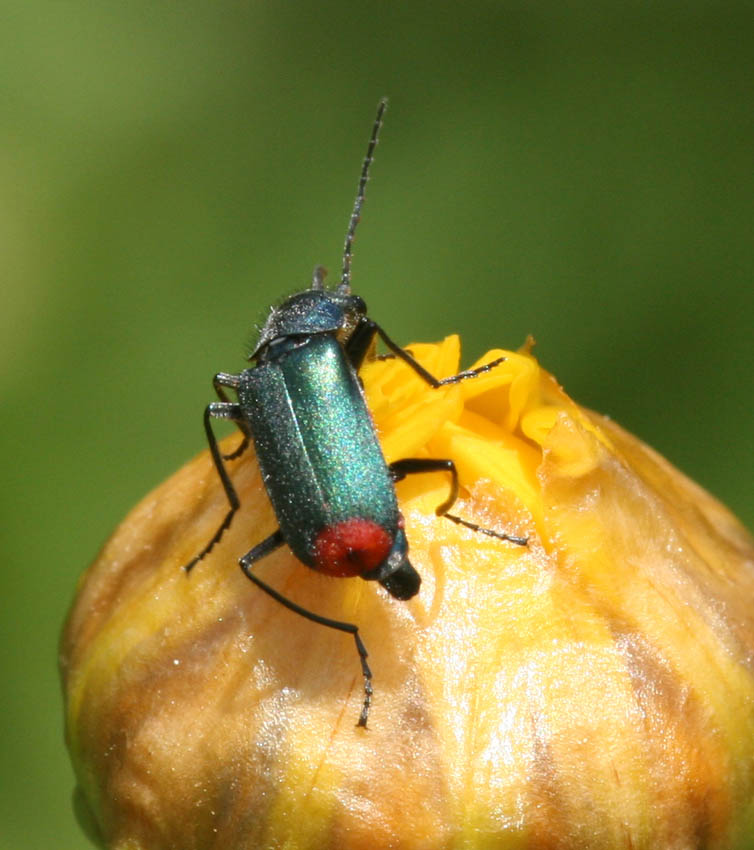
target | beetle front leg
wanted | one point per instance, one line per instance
(263, 549)
(360, 342)
(410, 465)
(219, 410)
(368, 328)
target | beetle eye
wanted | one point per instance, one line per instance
(358, 305)
(353, 304)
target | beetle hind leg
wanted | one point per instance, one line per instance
(263, 549)
(411, 465)
(500, 535)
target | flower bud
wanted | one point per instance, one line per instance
(593, 689)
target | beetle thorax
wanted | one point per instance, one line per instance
(309, 312)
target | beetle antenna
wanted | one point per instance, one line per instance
(318, 277)
(344, 287)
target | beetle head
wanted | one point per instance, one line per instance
(312, 311)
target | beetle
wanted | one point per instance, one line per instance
(303, 406)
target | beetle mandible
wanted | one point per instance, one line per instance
(303, 406)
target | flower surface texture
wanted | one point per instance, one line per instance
(591, 690)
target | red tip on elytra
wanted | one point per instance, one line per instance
(351, 547)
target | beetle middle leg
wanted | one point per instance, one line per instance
(219, 410)
(265, 548)
(410, 465)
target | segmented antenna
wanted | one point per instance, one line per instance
(318, 277)
(344, 287)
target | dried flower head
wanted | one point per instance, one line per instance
(592, 690)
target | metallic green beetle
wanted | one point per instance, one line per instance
(303, 406)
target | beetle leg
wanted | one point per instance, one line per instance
(360, 342)
(220, 410)
(399, 469)
(407, 358)
(512, 538)
(225, 379)
(269, 545)
(242, 446)
(391, 356)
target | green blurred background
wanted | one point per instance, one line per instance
(578, 171)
